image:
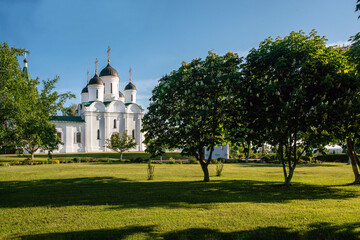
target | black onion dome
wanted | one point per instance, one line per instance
(96, 80)
(109, 71)
(85, 89)
(130, 86)
(121, 94)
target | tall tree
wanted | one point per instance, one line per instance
(287, 86)
(187, 107)
(14, 90)
(37, 131)
(26, 111)
(119, 143)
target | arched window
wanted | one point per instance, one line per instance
(98, 134)
(97, 94)
(132, 97)
(133, 134)
(110, 87)
(114, 123)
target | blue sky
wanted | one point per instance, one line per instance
(153, 37)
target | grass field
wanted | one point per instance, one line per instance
(115, 201)
(113, 156)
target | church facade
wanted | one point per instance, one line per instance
(103, 111)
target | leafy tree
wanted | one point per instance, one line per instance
(70, 110)
(344, 118)
(287, 87)
(37, 131)
(187, 107)
(26, 112)
(14, 91)
(120, 143)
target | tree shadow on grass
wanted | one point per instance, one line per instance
(108, 234)
(122, 193)
(317, 231)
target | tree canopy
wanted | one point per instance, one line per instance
(187, 107)
(287, 86)
(26, 111)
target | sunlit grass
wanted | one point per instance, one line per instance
(100, 155)
(115, 201)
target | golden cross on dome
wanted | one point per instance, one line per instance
(87, 79)
(130, 74)
(96, 62)
(108, 51)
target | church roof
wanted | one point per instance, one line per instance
(130, 86)
(67, 119)
(109, 71)
(121, 94)
(127, 104)
(85, 89)
(96, 80)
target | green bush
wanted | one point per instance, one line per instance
(137, 160)
(219, 166)
(332, 158)
(193, 161)
(171, 162)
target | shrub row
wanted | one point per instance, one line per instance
(333, 158)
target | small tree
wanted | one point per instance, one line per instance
(120, 143)
(70, 110)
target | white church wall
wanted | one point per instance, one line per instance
(219, 152)
(111, 84)
(68, 132)
(93, 89)
(130, 96)
(84, 97)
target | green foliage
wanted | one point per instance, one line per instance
(219, 166)
(187, 107)
(119, 143)
(14, 92)
(27, 111)
(288, 88)
(70, 110)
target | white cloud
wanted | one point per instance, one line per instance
(341, 43)
(243, 53)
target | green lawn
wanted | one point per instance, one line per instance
(113, 156)
(115, 201)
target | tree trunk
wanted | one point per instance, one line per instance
(354, 159)
(204, 164)
(32, 156)
(204, 167)
(289, 177)
(121, 155)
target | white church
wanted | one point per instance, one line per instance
(103, 111)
